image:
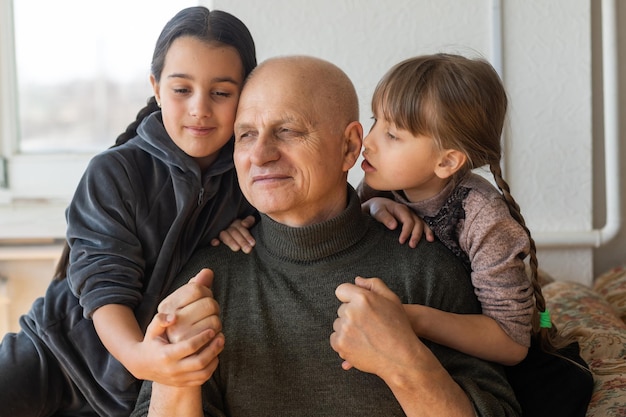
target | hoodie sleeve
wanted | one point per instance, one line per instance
(106, 263)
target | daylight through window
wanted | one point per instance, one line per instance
(82, 69)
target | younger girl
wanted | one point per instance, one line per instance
(435, 119)
(140, 210)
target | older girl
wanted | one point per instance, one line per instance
(141, 208)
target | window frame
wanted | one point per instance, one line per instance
(35, 189)
(40, 177)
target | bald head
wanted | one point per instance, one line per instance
(325, 86)
(296, 136)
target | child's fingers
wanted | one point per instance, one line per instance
(227, 238)
(248, 222)
(194, 319)
(237, 237)
(192, 345)
(199, 366)
(380, 212)
(241, 228)
(157, 328)
(430, 235)
(412, 232)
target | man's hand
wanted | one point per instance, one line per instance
(372, 331)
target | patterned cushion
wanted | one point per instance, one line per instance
(609, 396)
(612, 286)
(580, 311)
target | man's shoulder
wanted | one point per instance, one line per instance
(390, 239)
(428, 272)
(213, 257)
(432, 256)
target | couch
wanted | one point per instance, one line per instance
(596, 316)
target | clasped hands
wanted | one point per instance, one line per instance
(371, 331)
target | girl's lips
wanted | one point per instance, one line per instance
(200, 131)
(367, 167)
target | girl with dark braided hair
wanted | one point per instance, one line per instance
(167, 186)
(436, 118)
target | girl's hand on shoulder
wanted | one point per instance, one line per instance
(390, 213)
(237, 236)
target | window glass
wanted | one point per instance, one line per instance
(83, 69)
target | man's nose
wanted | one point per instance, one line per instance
(265, 149)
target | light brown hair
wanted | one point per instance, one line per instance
(461, 103)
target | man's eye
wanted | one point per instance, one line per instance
(288, 133)
(244, 135)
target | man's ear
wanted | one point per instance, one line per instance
(450, 162)
(353, 141)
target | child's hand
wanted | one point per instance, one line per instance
(186, 363)
(237, 236)
(192, 309)
(183, 341)
(389, 212)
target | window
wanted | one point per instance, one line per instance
(73, 75)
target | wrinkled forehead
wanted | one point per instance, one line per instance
(272, 101)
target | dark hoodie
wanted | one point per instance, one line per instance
(139, 212)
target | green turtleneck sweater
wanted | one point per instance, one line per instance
(278, 305)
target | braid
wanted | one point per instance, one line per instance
(549, 339)
(131, 130)
(60, 271)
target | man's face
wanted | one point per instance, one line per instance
(289, 155)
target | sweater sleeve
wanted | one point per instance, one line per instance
(497, 245)
(484, 382)
(487, 389)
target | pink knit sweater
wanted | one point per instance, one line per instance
(473, 220)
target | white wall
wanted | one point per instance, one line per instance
(614, 253)
(546, 65)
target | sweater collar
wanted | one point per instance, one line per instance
(431, 206)
(314, 242)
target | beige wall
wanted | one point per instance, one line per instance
(21, 282)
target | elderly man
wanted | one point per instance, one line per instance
(297, 135)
